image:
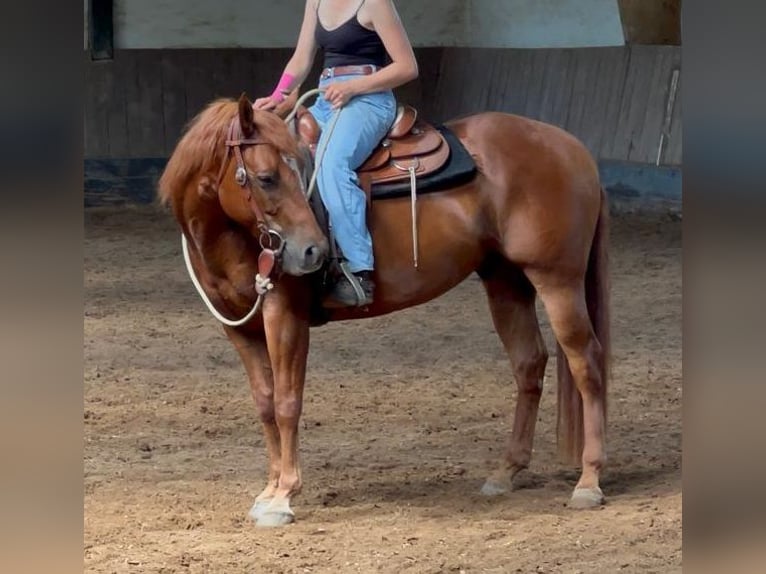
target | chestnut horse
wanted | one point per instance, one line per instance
(533, 222)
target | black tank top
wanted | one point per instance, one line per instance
(350, 44)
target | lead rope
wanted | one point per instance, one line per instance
(262, 286)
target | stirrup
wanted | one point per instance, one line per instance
(361, 296)
(348, 291)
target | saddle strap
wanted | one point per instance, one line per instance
(414, 196)
(412, 169)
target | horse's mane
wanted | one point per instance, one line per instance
(202, 147)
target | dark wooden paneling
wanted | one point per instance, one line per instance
(633, 105)
(146, 126)
(509, 94)
(613, 71)
(559, 86)
(611, 98)
(421, 92)
(117, 105)
(646, 147)
(535, 85)
(199, 81)
(673, 153)
(173, 98)
(98, 90)
(585, 65)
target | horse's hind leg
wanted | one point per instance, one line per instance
(567, 309)
(512, 304)
(255, 357)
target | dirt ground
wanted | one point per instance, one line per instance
(403, 417)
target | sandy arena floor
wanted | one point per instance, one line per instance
(403, 416)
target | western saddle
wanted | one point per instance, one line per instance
(412, 148)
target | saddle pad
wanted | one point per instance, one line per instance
(459, 169)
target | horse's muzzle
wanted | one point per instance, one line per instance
(304, 258)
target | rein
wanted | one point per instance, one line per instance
(321, 151)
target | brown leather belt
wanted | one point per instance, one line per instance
(364, 70)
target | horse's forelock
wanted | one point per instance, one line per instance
(202, 148)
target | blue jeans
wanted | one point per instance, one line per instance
(363, 123)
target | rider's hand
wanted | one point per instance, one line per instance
(266, 103)
(339, 93)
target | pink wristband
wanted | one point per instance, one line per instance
(278, 95)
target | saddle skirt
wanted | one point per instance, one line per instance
(412, 147)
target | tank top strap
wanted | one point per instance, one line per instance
(355, 13)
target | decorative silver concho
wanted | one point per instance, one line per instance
(241, 176)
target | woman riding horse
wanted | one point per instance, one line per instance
(366, 55)
(531, 223)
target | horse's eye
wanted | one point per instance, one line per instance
(266, 179)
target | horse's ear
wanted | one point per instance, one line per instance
(283, 110)
(246, 120)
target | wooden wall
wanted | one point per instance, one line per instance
(614, 99)
(137, 104)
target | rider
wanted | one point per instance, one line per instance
(366, 54)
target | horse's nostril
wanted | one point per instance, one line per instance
(313, 254)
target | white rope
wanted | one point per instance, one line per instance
(321, 152)
(330, 129)
(203, 295)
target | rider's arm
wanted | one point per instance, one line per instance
(299, 65)
(403, 67)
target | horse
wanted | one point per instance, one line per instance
(533, 222)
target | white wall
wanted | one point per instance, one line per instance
(275, 23)
(543, 23)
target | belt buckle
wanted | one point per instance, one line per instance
(328, 73)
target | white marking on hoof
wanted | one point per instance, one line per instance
(272, 519)
(586, 498)
(259, 508)
(491, 488)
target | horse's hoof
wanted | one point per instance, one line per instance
(586, 498)
(491, 488)
(271, 519)
(258, 509)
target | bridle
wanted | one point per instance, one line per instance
(272, 243)
(235, 141)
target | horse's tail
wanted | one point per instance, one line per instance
(569, 427)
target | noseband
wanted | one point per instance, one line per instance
(269, 239)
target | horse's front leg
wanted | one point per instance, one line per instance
(255, 357)
(287, 336)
